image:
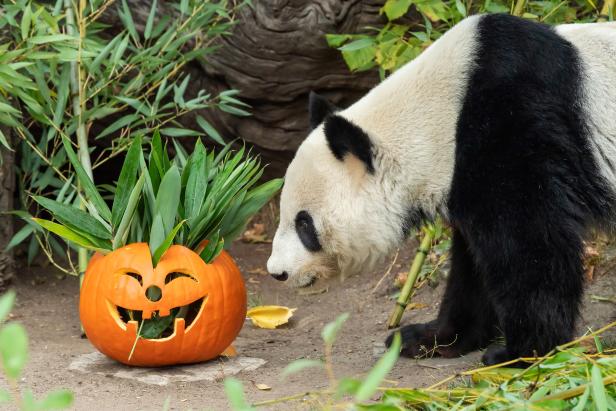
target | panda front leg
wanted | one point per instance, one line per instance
(466, 319)
(535, 282)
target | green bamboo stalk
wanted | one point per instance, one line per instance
(518, 9)
(405, 293)
(82, 135)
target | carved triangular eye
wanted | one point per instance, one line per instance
(172, 276)
(135, 276)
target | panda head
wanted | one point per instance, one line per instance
(336, 212)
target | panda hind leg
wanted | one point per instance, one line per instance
(537, 292)
(466, 319)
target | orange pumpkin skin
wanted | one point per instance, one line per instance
(106, 286)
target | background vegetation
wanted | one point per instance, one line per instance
(63, 74)
(412, 25)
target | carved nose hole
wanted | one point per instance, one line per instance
(153, 293)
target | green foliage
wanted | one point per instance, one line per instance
(403, 38)
(13, 357)
(331, 330)
(569, 378)
(63, 83)
(360, 390)
(184, 200)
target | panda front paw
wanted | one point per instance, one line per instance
(496, 354)
(418, 340)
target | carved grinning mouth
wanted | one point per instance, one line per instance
(175, 321)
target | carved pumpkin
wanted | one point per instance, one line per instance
(117, 282)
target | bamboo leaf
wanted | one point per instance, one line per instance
(20, 236)
(13, 349)
(379, 371)
(299, 365)
(330, 331)
(66, 233)
(118, 124)
(74, 218)
(209, 130)
(150, 22)
(7, 300)
(51, 38)
(102, 55)
(196, 185)
(4, 141)
(128, 21)
(56, 400)
(157, 234)
(87, 184)
(166, 243)
(178, 132)
(598, 389)
(26, 21)
(168, 198)
(129, 210)
(126, 183)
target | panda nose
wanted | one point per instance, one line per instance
(281, 277)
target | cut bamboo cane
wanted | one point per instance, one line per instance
(405, 293)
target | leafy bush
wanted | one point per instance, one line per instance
(13, 356)
(403, 38)
(62, 74)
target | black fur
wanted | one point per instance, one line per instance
(344, 137)
(319, 108)
(525, 190)
(307, 233)
(413, 219)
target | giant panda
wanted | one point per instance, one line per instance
(504, 127)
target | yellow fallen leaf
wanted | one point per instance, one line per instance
(416, 306)
(270, 316)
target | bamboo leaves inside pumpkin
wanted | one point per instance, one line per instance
(185, 200)
(126, 183)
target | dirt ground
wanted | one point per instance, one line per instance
(47, 306)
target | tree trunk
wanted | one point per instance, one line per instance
(7, 186)
(276, 54)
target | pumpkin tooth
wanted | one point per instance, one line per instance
(146, 314)
(179, 326)
(163, 312)
(131, 328)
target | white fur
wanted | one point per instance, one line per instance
(596, 45)
(411, 119)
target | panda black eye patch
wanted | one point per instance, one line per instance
(304, 226)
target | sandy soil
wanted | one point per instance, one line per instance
(47, 305)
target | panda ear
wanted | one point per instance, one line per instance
(344, 137)
(319, 108)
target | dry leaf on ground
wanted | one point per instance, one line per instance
(263, 387)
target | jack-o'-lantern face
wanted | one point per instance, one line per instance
(123, 288)
(156, 292)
